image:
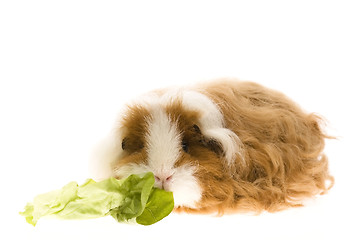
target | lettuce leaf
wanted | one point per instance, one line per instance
(159, 205)
(124, 199)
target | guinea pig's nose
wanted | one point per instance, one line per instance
(163, 179)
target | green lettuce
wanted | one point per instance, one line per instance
(133, 198)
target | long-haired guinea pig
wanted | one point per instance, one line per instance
(223, 146)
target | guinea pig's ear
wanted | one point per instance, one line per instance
(196, 129)
(224, 142)
(214, 146)
(210, 143)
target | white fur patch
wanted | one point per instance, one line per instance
(104, 156)
(163, 142)
(185, 188)
(211, 117)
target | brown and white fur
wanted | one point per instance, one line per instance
(223, 146)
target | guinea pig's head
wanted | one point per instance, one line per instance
(180, 139)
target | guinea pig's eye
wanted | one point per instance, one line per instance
(124, 142)
(185, 146)
(132, 145)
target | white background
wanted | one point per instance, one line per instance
(66, 68)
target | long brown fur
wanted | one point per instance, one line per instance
(282, 160)
(282, 146)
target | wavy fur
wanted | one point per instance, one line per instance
(282, 146)
(279, 160)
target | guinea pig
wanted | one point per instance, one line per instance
(222, 147)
